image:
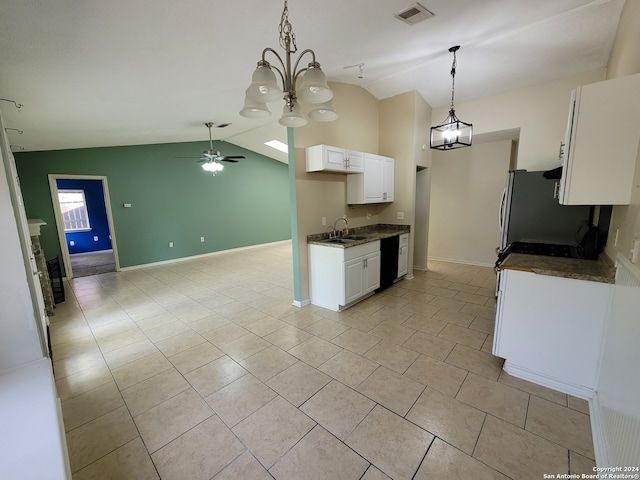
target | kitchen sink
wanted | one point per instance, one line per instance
(340, 240)
(355, 237)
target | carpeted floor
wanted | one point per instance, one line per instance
(92, 263)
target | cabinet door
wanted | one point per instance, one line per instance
(389, 179)
(601, 147)
(354, 161)
(334, 158)
(371, 272)
(551, 326)
(403, 257)
(353, 279)
(373, 178)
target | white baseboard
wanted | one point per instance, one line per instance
(549, 382)
(203, 255)
(301, 303)
(598, 432)
(464, 262)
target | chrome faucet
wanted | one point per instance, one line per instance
(346, 226)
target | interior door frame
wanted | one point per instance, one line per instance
(64, 248)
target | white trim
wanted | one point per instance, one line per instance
(202, 255)
(549, 382)
(464, 262)
(598, 432)
(302, 303)
(64, 249)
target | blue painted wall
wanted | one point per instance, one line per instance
(94, 196)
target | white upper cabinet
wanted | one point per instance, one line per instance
(375, 184)
(601, 144)
(325, 158)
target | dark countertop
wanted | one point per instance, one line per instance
(601, 270)
(371, 232)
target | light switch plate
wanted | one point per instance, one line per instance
(400, 215)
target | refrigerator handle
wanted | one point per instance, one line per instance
(501, 210)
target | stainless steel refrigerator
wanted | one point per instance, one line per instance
(530, 213)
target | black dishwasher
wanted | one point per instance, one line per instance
(388, 261)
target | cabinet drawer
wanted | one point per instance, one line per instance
(360, 250)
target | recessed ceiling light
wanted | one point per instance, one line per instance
(278, 145)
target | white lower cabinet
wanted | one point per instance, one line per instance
(340, 276)
(548, 329)
(403, 255)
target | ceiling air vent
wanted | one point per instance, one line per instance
(416, 13)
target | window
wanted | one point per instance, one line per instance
(74, 210)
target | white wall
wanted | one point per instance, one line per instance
(466, 187)
(19, 339)
(625, 60)
(540, 112)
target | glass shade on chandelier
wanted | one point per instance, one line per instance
(254, 109)
(292, 117)
(323, 112)
(264, 86)
(314, 88)
(452, 132)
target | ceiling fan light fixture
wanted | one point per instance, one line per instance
(452, 133)
(212, 166)
(323, 112)
(292, 117)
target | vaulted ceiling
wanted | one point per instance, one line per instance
(99, 73)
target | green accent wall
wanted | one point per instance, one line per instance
(173, 199)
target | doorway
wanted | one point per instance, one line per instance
(84, 224)
(421, 235)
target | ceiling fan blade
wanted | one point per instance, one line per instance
(234, 156)
(188, 157)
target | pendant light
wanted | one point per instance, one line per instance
(264, 86)
(453, 132)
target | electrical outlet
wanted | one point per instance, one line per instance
(201, 239)
(324, 221)
(170, 244)
(95, 238)
(72, 243)
(400, 215)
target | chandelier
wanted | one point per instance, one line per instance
(313, 89)
(453, 132)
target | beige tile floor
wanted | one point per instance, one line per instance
(204, 370)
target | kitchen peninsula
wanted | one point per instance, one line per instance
(550, 319)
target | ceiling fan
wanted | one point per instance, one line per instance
(213, 156)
